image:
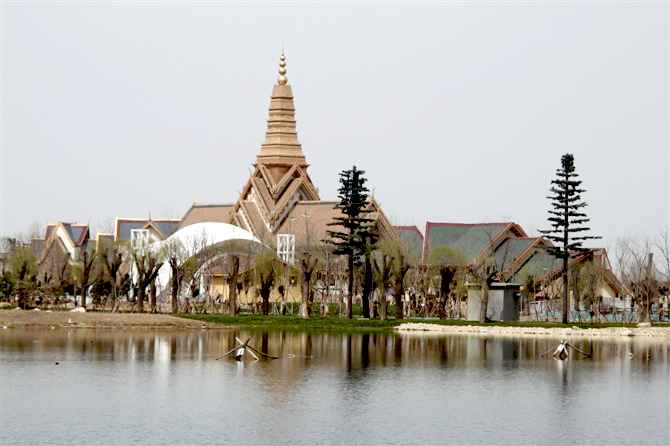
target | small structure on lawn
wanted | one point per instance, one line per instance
(504, 302)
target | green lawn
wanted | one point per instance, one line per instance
(357, 323)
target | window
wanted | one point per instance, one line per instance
(286, 248)
(139, 238)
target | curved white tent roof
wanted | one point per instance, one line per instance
(209, 233)
(201, 235)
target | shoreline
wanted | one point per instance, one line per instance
(428, 328)
(51, 320)
(30, 319)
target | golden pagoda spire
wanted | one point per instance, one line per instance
(281, 148)
(282, 70)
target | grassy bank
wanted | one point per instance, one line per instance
(358, 324)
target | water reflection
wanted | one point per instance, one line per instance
(390, 388)
(359, 351)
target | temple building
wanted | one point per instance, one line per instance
(279, 204)
(517, 256)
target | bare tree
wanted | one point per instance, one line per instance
(485, 273)
(111, 260)
(663, 248)
(147, 263)
(82, 270)
(400, 268)
(488, 269)
(528, 292)
(308, 264)
(636, 266)
(55, 272)
(233, 278)
(446, 262)
(383, 264)
(23, 272)
(181, 264)
(268, 269)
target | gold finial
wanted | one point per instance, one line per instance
(282, 70)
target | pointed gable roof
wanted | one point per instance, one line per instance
(412, 238)
(162, 227)
(200, 212)
(473, 240)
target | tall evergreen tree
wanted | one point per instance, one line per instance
(354, 228)
(567, 220)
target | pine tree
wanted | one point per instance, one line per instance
(355, 229)
(567, 220)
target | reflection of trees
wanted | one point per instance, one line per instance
(365, 350)
(318, 353)
(397, 349)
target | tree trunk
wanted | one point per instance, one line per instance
(383, 306)
(141, 292)
(265, 297)
(304, 311)
(367, 286)
(446, 277)
(83, 297)
(350, 288)
(232, 286)
(564, 316)
(175, 294)
(21, 300)
(152, 296)
(576, 296)
(398, 291)
(114, 292)
(566, 240)
(483, 303)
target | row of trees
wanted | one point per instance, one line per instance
(386, 266)
(372, 266)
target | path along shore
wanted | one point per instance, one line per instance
(649, 332)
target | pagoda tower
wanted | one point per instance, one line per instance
(279, 180)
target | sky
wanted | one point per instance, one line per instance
(457, 112)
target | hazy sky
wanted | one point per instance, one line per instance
(457, 112)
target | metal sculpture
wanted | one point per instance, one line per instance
(241, 348)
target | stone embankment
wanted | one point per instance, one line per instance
(495, 330)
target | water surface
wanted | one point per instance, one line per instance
(113, 387)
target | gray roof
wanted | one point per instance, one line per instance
(126, 226)
(537, 265)
(467, 239)
(75, 232)
(510, 249)
(412, 239)
(167, 228)
(37, 246)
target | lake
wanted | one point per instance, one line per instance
(160, 387)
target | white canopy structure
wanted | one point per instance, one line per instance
(197, 237)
